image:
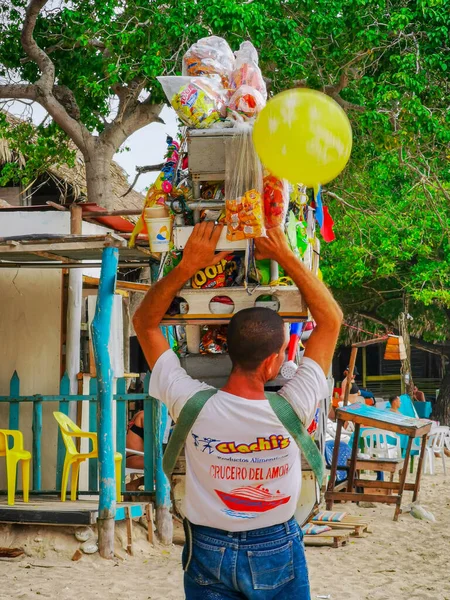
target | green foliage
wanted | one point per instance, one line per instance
(390, 58)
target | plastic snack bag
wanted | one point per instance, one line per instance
(246, 70)
(276, 200)
(209, 56)
(198, 101)
(244, 213)
(245, 102)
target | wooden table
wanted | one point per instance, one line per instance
(368, 416)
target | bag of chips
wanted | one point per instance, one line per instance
(209, 56)
(198, 101)
(228, 272)
(244, 213)
(276, 200)
(214, 340)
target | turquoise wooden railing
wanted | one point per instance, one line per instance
(151, 413)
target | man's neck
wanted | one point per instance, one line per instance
(248, 385)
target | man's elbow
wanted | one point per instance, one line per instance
(138, 322)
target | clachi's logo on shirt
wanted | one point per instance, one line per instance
(273, 442)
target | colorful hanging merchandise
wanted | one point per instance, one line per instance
(244, 212)
(158, 194)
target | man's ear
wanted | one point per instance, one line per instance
(270, 365)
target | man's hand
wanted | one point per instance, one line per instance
(200, 249)
(274, 246)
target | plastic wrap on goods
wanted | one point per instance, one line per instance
(209, 56)
(199, 101)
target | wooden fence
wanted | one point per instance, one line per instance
(152, 416)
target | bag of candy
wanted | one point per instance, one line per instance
(244, 213)
(246, 70)
(214, 340)
(209, 56)
(276, 200)
(246, 102)
(199, 101)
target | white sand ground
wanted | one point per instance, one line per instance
(407, 560)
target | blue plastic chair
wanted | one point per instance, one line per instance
(345, 453)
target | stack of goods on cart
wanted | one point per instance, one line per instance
(222, 90)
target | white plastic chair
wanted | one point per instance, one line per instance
(437, 441)
(376, 443)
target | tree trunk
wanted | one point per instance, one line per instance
(441, 408)
(98, 177)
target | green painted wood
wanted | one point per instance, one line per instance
(14, 406)
(64, 390)
(149, 446)
(121, 423)
(37, 444)
(93, 462)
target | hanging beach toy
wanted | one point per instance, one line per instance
(289, 368)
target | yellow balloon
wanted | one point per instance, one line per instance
(303, 136)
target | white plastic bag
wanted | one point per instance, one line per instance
(209, 56)
(198, 101)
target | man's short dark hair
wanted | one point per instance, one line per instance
(394, 397)
(253, 335)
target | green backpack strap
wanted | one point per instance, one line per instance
(295, 427)
(186, 420)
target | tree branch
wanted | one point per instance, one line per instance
(35, 53)
(129, 122)
(140, 171)
(59, 101)
(19, 91)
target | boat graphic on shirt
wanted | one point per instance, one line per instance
(252, 499)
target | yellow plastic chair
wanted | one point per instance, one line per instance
(13, 456)
(73, 458)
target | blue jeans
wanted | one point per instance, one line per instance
(262, 564)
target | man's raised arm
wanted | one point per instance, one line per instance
(198, 254)
(323, 307)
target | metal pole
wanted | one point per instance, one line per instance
(101, 328)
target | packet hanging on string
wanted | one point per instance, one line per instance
(198, 101)
(276, 200)
(244, 212)
(209, 56)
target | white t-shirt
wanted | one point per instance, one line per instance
(243, 469)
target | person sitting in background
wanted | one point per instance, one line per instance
(135, 441)
(395, 402)
(418, 396)
(354, 394)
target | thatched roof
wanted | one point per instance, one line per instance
(75, 177)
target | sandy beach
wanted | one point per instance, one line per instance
(397, 561)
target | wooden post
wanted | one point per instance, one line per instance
(101, 329)
(364, 366)
(73, 317)
(419, 467)
(37, 444)
(398, 508)
(351, 473)
(164, 523)
(121, 425)
(351, 368)
(64, 390)
(149, 446)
